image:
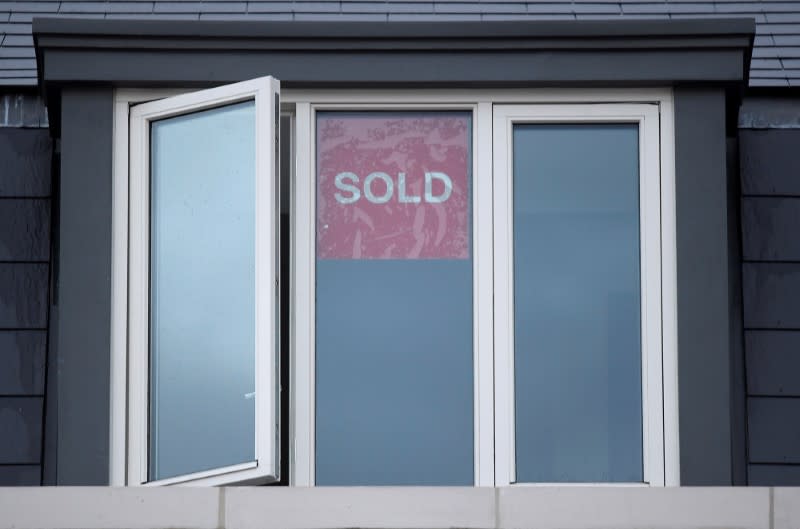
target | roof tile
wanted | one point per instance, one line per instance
(269, 7)
(178, 7)
(83, 7)
(18, 40)
(17, 64)
(129, 7)
(317, 7)
(224, 7)
(474, 7)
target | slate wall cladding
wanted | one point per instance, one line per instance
(25, 184)
(770, 174)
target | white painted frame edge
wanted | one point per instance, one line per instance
(669, 293)
(303, 397)
(655, 308)
(264, 468)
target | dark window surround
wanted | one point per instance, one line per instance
(705, 61)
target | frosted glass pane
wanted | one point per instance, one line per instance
(394, 352)
(577, 339)
(202, 284)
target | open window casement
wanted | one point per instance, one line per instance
(203, 373)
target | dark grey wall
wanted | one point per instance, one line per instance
(704, 304)
(83, 308)
(770, 170)
(25, 153)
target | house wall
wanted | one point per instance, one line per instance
(25, 203)
(770, 171)
(760, 434)
(770, 222)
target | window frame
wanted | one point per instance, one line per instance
(265, 466)
(303, 241)
(646, 117)
(302, 466)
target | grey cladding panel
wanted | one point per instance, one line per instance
(703, 303)
(774, 475)
(771, 228)
(770, 163)
(774, 430)
(23, 296)
(773, 363)
(22, 359)
(25, 156)
(83, 336)
(20, 430)
(20, 475)
(24, 229)
(771, 295)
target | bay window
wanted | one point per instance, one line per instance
(481, 287)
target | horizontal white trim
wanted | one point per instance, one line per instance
(465, 96)
(391, 507)
(438, 96)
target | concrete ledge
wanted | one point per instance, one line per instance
(373, 507)
(786, 508)
(109, 508)
(633, 508)
(579, 507)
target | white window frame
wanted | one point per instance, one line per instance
(646, 117)
(303, 250)
(302, 467)
(265, 465)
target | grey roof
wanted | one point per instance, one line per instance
(776, 56)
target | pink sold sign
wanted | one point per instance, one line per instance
(393, 186)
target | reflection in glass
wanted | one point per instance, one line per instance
(394, 360)
(202, 288)
(577, 324)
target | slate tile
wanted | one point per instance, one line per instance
(20, 429)
(130, 7)
(770, 228)
(82, 7)
(18, 40)
(223, 7)
(771, 293)
(774, 430)
(22, 357)
(769, 163)
(23, 296)
(316, 7)
(26, 155)
(773, 363)
(269, 7)
(20, 475)
(24, 229)
(773, 475)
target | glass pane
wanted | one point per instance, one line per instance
(578, 382)
(202, 283)
(394, 361)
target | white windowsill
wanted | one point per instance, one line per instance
(391, 507)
